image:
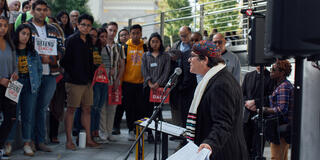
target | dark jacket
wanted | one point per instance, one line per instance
(78, 60)
(182, 94)
(52, 32)
(219, 118)
(251, 88)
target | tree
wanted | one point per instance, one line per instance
(69, 5)
(171, 29)
(63, 5)
(225, 21)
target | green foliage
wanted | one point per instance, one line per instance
(172, 28)
(68, 5)
(225, 21)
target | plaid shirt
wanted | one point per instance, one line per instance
(281, 100)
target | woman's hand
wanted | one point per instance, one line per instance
(14, 76)
(155, 86)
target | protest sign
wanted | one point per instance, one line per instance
(13, 91)
(155, 95)
(100, 76)
(47, 46)
(114, 96)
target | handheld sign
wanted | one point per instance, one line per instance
(155, 95)
(114, 96)
(47, 46)
(100, 76)
(13, 91)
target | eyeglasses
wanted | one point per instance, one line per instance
(217, 42)
(85, 25)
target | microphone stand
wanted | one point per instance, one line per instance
(154, 116)
(260, 117)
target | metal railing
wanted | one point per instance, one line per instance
(224, 15)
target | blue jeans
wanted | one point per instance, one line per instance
(100, 91)
(27, 104)
(46, 92)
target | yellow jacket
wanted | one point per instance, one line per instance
(132, 73)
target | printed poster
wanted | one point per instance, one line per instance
(155, 95)
(47, 46)
(114, 97)
(13, 91)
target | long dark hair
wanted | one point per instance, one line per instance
(7, 37)
(156, 34)
(5, 9)
(16, 38)
(67, 29)
(100, 31)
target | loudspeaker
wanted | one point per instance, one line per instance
(256, 54)
(293, 28)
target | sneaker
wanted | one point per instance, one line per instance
(7, 150)
(99, 140)
(44, 148)
(28, 150)
(111, 138)
(33, 146)
(132, 136)
(102, 135)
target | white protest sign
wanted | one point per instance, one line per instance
(47, 46)
(13, 91)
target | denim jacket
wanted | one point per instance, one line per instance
(35, 70)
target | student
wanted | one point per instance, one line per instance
(99, 89)
(79, 70)
(64, 22)
(155, 70)
(50, 69)
(132, 78)
(123, 37)
(8, 70)
(113, 60)
(30, 73)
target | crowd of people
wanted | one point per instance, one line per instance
(207, 98)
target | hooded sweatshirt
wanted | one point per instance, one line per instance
(132, 72)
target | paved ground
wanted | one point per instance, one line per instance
(110, 151)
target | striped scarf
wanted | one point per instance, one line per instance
(192, 116)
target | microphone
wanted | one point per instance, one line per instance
(174, 76)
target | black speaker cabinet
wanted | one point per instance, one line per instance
(293, 28)
(256, 38)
